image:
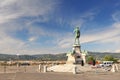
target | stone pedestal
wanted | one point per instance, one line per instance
(78, 54)
(75, 57)
(84, 58)
(70, 59)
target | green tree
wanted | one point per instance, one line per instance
(90, 59)
(109, 58)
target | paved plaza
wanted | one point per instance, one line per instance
(58, 76)
(32, 73)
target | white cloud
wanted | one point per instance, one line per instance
(10, 44)
(88, 15)
(77, 22)
(83, 18)
(106, 35)
(13, 9)
(67, 42)
(6, 2)
(118, 51)
(32, 39)
(116, 16)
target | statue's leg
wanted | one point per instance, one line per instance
(78, 41)
(75, 41)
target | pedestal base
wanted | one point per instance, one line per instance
(71, 59)
(69, 68)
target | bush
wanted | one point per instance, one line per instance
(90, 60)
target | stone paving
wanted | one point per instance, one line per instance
(58, 76)
(32, 73)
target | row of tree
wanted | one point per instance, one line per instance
(91, 59)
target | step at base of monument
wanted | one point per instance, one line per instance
(69, 68)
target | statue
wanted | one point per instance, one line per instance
(77, 35)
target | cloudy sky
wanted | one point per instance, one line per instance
(46, 26)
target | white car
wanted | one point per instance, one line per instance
(106, 63)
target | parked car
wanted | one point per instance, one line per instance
(106, 63)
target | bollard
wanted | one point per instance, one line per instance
(17, 65)
(74, 70)
(25, 68)
(116, 66)
(45, 69)
(113, 68)
(4, 68)
(96, 70)
(39, 68)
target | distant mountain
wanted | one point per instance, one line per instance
(42, 57)
(7, 57)
(15, 57)
(53, 57)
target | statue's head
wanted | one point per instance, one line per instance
(77, 27)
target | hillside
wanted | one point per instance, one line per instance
(41, 57)
(53, 57)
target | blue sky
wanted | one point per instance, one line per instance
(46, 26)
